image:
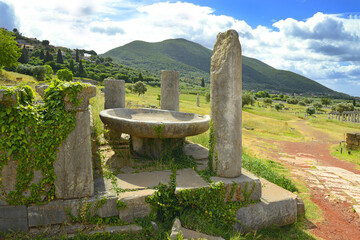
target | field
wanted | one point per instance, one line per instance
(275, 138)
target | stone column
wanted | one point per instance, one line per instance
(114, 93)
(170, 90)
(198, 100)
(73, 164)
(226, 110)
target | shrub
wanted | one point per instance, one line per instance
(247, 99)
(64, 75)
(301, 103)
(292, 101)
(268, 101)
(24, 69)
(207, 98)
(310, 110)
(279, 106)
(39, 72)
(341, 107)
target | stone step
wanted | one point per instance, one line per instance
(277, 206)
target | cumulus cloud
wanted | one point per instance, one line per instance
(323, 47)
(7, 16)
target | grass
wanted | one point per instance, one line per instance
(353, 157)
(268, 170)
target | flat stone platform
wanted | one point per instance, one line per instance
(275, 206)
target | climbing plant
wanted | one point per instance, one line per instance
(211, 205)
(30, 137)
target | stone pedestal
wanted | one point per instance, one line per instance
(154, 147)
(226, 108)
(73, 164)
(170, 90)
(114, 93)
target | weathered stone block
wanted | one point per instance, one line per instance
(248, 185)
(135, 205)
(170, 91)
(114, 93)
(13, 218)
(84, 95)
(73, 164)
(7, 100)
(51, 213)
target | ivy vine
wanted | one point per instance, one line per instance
(31, 135)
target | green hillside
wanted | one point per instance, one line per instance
(193, 62)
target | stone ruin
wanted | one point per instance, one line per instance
(226, 107)
(346, 116)
(353, 141)
(74, 166)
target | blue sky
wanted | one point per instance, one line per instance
(315, 38)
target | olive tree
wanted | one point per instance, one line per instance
(139, 88)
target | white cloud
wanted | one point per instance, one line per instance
(324, 47)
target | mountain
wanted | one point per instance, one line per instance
(192, 60)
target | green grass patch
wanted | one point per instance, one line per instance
(267, 170)
(346, 154)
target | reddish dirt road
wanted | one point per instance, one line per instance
(334, 184)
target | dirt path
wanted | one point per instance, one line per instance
(334, 184)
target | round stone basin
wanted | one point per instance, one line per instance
(142, 122)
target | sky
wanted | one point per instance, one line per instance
(319, 39)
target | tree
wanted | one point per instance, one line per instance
(202, 82)
(325, 101)
(9, 51)
(279, 106)
(24, 55)
(59, 58)
(301, 103)
(317, 106)
(292, 101)
(139, 88)
(268, 101)
(49, 69)
(77, 55)
(48, 57)
(310, 110)
(72, 65)
(262, 94)
(341, 107)
(39, 72)
(81, 69)
(141, 77)
(45, 43)
(307, 100)
(64, 75)
(42, 56)
(247, 99)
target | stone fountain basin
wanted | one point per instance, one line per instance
(140, 122)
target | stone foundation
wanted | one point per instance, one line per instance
(353, 141)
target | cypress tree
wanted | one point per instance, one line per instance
(77, 55)
(59, 58)
(42, 56)
(24, 58)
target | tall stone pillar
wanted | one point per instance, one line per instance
(114, 93)
(170, 91)
(226, 108)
